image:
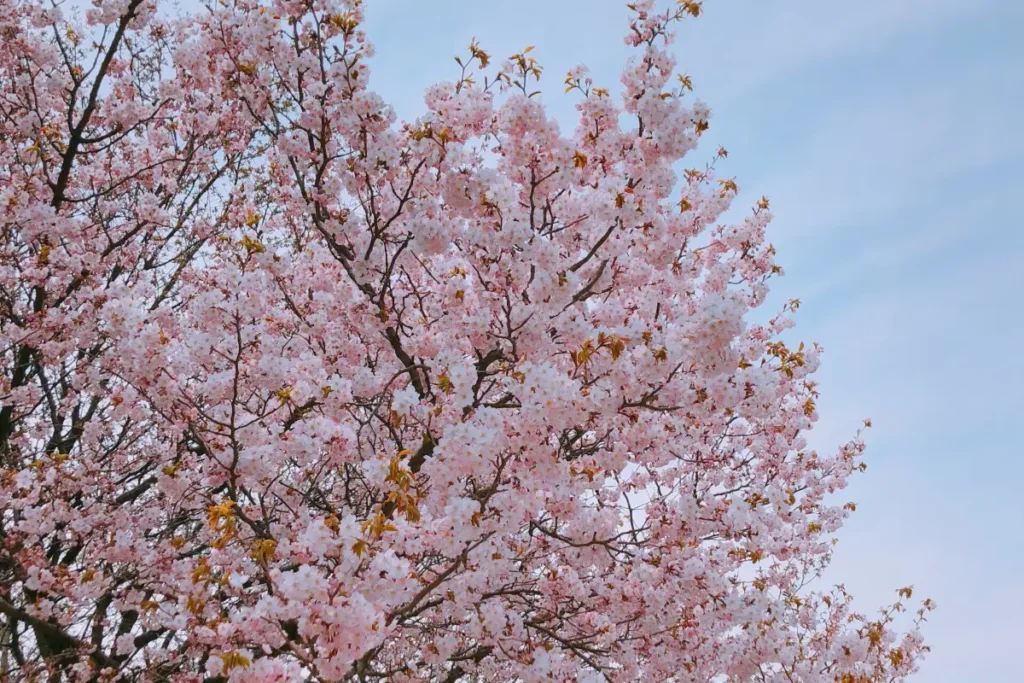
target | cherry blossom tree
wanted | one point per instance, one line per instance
(292, 390)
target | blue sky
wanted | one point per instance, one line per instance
(886, 133)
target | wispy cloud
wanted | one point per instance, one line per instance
(887, 149)
(749, 45)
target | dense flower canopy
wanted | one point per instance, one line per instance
(292, 390)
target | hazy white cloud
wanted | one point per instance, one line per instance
(885, 151)
(745, 45)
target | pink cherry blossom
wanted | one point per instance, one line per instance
(293, 390)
